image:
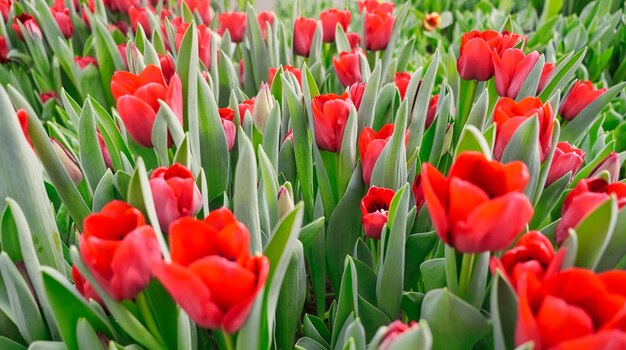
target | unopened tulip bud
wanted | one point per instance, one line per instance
(69, 163)
(285, 202)
(262, 107)
(610, 164)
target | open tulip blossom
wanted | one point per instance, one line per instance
(313, 175)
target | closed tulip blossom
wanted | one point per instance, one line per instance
(204, 41)
(330, 115)
(61, 15)
(227, 116)
(511, 70)
(263, 105)
(480, 206)
(303, 32)
(137, 98)
(418, 193)
(402, 80)
(394, 331)
(84, 287)
(378, 30)
(354, 39)
(546, 75)
(348, 67)
(609, 165)
(477, 48)
(119, 248)
(375, 210)
(356, 93)
(233, 22)
(265, 18)
(203, 7)
(371, 145)
(4, 50)
(566, 159)
(580, 96)
(330, 19)
(29, 23)
(588, 195)
(509, 115)
(175, 194)
(246, 106)
(5, 7)
(86, 61)
(432, 111)
(212, 275)
(69, 162)
(375, 5)
(296, 72)
(121, 5)
(139, 15)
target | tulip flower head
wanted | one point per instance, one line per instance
(431, 21)
(375, 210)
(303, 32)
(61, 15)
(371, 145)
(330, 115)
(378, 30)
(296, 72)
(233, 22)
(355, 92)
(511, 69)
(566, 159)
(330, 19)
(402, 80)
(348, 67)
(580, 96)
(395, 330)
(265, 18)
(477, 48)
(227, 116)
(354, 39)
(375, 5)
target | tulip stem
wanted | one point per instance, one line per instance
(225, 340)
(467, 265)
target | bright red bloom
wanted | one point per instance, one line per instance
(480, 206)
(122, 5)
(575, 309)
(297, 72)
(375, 210)
(139, 15)
(227, 116)
(84, 287)
(30, 24)
(246, 106)
(432, 111)
(375, 5)
(22, 117)
(4, 50)
(330, 19)
(242, 71)
(205, 254)
(356, 94)
(330, 115)
(546, 75)
(378, 30)
(175, 194)
(204, 41)
(509, 115)
(418, 193)
(167, 67)
(371, 145)
(475, 59)
(119, 248)
(233, 22)
(348, 67)
(47, 96)
(61, 15)
(5, 8)
(264, 18)
(354, 39)
(138, 96)
(402, 80)
(303, 32)
(86, 61)
(394, 330)
(580, 96)
(588, 195)
(203, 7)
(567, 159)
(511, 69)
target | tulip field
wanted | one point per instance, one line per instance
(313, 175)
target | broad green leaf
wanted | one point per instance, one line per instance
(90, 153)
(245, 200)
(524, 146)
(503, 303)
(594, 234)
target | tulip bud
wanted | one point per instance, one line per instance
(264, 18)
(354, 39)
(546, 75)
(263, 105)
(285, 202)
(203, 7)
(375, 5)
(580, 96)
(303, 32)
(418, 193)
(233, 22)
(29, 23)
(348, 67)
(84, 287)
(394, 330)
(356, 94)
(378, 28)
(61, 15)
(431, 21)
(4, 50)
(511, 69)
(402, 80)
(610, 164)
(227, 116)
(432, 111)
(69, 163)
(330, 115)
(296, 72)
(84, 62)
(566, 159)
(330, 19)
(139, 15)
(375, 210)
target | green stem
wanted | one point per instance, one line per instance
(451, 269)
(467, 265)
(225, 340)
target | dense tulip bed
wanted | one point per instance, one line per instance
(418, 175)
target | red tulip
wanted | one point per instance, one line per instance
(138, 96)
(533, 254)
(402, 82)
(139, 15)
(5, 8)
(204, 41)
(175, 194)
(202, 6)
(375, 210)
(354, 39)
(264, 18)
(580, 96)
(246, 106)
(375, 5)
(509, 115)
(22, 117)
(119, 248)
(371, 145)
(356, 94)
(546, 75)
(575, 309)
(303, 32)
(418, 193)
(242, 77)
(4, 50)
(432, 111)
(378, 30)
(431, 21)
(394, 330)
(588, 195)
(290, 69)
(567, 159)
(86, 61)
(330, 114)
(330, 19)
(611, 164)
(29, 23)
(205, 254)
(47, 96)
(348, 67)
(230, 130)
(511, 69)
(475, 59)
(122, 5)
(233, 22)
(167, 67)
(61, 15)
(84, 287)
(480, 206)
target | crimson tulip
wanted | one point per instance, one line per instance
(330, 19)
(206, 254)
(227, 116)
(119, 249)
(394, 330)
(4, 50)
(84, 287)
(580, 96)
(47, 96)
(287, 68)
(138, 96)
(475, 58)
(167, 67)
(204, 41)
(511, 69)
(402, 80)
(265, 18)
(30, 24)
(480, 206)
(356, 93)
(418, 193)
(566, 159)
(139, 15)
(61, 15)
(575, 309)
(242, 71)
(86, 61)
(354, 39)
(233, 22)
(122, 5)
(330, 115)
(432, 111)
(246, 106)
(371, 145)
(375, 5)
(375, 210)
(22, 117)
(203, 7)
(588, 195)
(5, 7)
(303, 32)
(378, 30)
(509, 115)
(175, 194)
(431, 21)
(348, 67)
(546, 75)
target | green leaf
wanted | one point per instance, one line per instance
(616, 247)
(529, 87)
(90, 153)
(472, 140)
(418, 247)
(369, 99)
(291, 299)
(390, 170)
(524, 146)
(346, 300)
(420, 109)
(86, 335)
(434, 274)
(594, 233)
(245, 200)
(563, 72)
(503, 303)
(414, 338)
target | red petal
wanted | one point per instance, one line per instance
(559, 322)
(138, 118)
(435, 187)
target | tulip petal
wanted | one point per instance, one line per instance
(165, 202)
(577, 210)
(605, 340)
(138, 118)
(463, 198)
(435, 187)
(237, 315)
(559, 321)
